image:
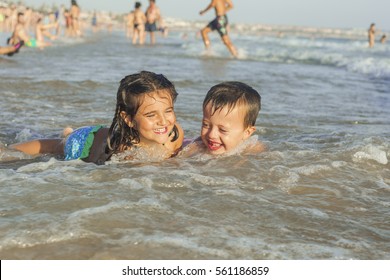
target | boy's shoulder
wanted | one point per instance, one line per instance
(252, 145)
(192, 147)
(255, 147)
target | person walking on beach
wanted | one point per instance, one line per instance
(371, 35)
(152, 17)
(219, 23)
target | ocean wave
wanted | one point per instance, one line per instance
(341, 48)
(279, 30)
(352, 56)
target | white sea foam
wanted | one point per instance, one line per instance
(371, 152)
(38, 166)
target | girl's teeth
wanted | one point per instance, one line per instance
(161, 130)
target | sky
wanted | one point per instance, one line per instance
(308, 13)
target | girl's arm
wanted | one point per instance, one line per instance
(179, 141)
(175, 146)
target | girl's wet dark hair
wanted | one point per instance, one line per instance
(231, 94)
(130, 95)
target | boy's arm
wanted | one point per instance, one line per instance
(40, 146)
(211, 5)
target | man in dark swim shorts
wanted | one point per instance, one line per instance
(150, 27)
(219, 23)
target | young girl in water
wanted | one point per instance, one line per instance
(144, 124)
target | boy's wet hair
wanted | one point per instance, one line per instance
(130, 95)
(137, 5)
(232, 94)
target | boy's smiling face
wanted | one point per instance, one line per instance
(223, 131)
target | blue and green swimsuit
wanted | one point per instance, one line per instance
(78, 144)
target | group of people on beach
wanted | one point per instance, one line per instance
(21, 21)
(138, 23)
(150, 21)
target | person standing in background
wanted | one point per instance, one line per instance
(75, 14)
(371, 35)
(139, 25)
(68, 23)
(383, 39)
(129, 24)
(94, 23)
(152, 17)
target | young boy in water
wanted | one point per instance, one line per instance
(230, 110)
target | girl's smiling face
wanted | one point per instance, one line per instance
(222, 131)
(155, 118)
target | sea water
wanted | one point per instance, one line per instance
(320, 191)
